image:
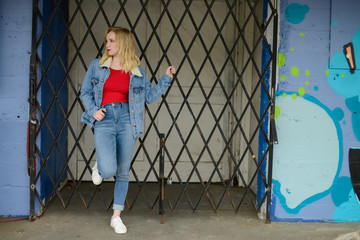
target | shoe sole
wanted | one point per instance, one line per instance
(118, 232)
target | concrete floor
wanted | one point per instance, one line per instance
(77, 223)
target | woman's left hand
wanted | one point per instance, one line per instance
(171, 71)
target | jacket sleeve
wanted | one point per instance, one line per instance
(87, 92)
(153, 93)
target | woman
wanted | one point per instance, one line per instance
(114, 92)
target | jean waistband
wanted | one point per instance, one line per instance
(114, 104)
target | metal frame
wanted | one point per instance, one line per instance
(35, 127)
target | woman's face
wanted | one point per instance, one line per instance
(111, 47)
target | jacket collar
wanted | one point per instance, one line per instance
(134, 71)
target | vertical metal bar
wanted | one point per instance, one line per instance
(32, 114)
(161, 178)
(272, 113)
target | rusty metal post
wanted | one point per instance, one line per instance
(32, 115)
(273, 135)
(161, 178)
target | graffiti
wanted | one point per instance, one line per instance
(354, 165)
(295, 13)
(339, 75)
(344, 79)
(350, 56)
(305, 148)
(353, 104)
(347, 204)
(312, 178)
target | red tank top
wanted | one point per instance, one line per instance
(116, 87)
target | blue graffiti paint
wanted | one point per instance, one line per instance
(347, 84)
(348, 211)
(353, 105)
(277, 184)
(340, 190)
(316, 88)
(295, 13)
(339, 77)
(338, 114)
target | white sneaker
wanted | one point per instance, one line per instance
(95, 176)
(118, 225)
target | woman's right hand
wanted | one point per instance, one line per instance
(99, 115)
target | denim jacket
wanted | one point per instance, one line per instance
(140, 91)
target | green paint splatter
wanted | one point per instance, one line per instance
(307, 83)
(281, 59)
(282, 77)
(342, 75)
(307, 72)
(301, 34)
(291, 49)
(295, 71)
(284, 95)
(294, 96)
(301, 91)
(277, 112)
(327, 72)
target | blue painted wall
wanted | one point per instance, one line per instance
(15, 47)
(317, 112)
(54, 98)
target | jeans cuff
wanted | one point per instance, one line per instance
(118, 207)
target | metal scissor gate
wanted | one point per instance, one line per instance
(217, 116)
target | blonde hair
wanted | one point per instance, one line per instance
(125, 41)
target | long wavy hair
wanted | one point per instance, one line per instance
(125, 41)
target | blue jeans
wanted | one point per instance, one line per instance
(114, 144)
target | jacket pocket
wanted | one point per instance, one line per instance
(138, 90)
(95, 80)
